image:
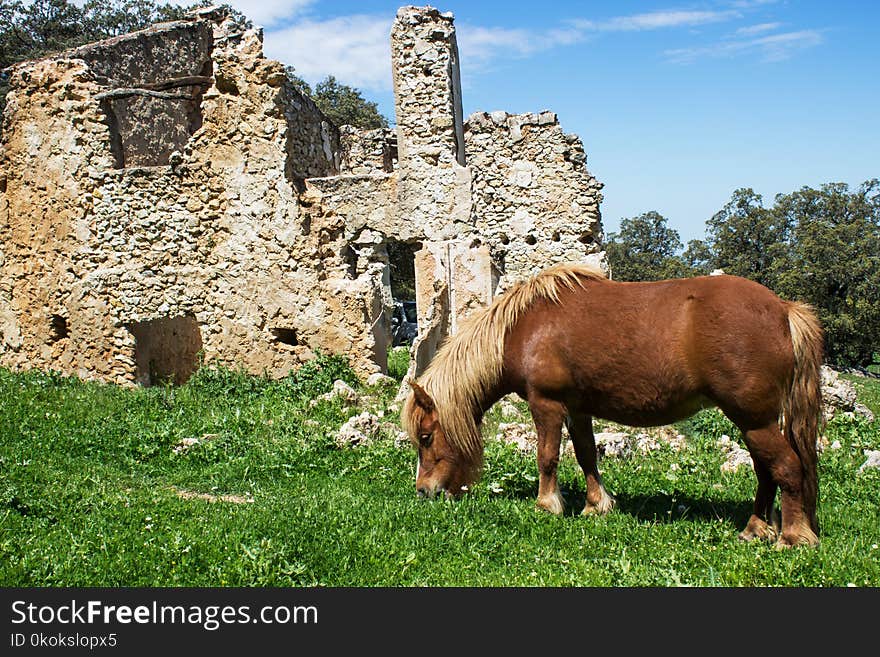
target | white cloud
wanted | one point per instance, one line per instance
(781, 46)
(752, 30)
(354, 49)
(266, 13)
(485, 43)
(751, 4)
(771, 48)
(655, 20)
(481, 44)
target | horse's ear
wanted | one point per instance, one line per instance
(423, 399)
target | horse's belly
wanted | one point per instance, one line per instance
(647, 412)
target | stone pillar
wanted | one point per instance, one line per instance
(454, 278)
(434, 186)
(474, 280)
(432, 304)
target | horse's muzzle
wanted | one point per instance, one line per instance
(430, 493)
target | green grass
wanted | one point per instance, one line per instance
(868, 390)
(398, 362)
(89, 484)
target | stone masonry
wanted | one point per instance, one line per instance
(168, 198)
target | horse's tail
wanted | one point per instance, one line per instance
(803, 404)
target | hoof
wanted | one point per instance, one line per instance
(603, 506)
(551, 504)
(757, 528)
(804, 537)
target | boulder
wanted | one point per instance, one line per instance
(840, 395)
(358, 430)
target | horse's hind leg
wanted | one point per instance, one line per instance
(580, 427)
(763, 523)
(548, 415)
(772, 454)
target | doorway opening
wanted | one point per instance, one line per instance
(167, 350)
(402, 281)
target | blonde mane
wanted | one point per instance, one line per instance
(468, 365)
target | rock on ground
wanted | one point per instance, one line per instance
(520, 435)
(377, 378)
(210, 497)
(873, 460)
(358, 430)
(341, 390)
(613, 444)
(508, 409)
(186, 443)
(735, 456)
(839, 395)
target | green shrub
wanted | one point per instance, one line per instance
(311, 379)
(711, 423)
(226, 382)
(316, 377)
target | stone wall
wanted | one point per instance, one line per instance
(154, 85)
(534, 202)
(367, 151)
(211, 235)
(168, 197)
(55, 140)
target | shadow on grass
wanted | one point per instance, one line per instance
(665, 508)
(660, 507)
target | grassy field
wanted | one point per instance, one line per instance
(97, 490)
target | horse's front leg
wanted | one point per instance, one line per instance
(548, 416)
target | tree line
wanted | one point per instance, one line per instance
(42, 27)
(820, 246)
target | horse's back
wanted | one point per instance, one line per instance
(654, 352)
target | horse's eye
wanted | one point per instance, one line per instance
(425, 439)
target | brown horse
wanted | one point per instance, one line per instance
(576, 345)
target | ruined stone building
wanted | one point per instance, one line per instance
(168, 196)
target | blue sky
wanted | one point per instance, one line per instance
(678, 103)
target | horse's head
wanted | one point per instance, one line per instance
(442, 468)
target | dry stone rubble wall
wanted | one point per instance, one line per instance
(169, 198)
